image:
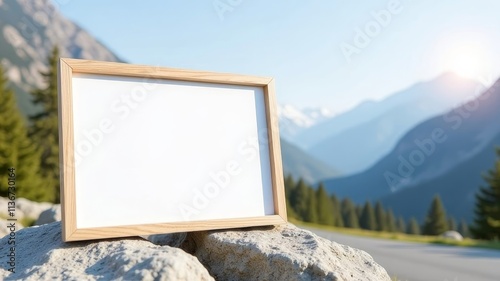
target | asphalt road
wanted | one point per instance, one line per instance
(424, 262)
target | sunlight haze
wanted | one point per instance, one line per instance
(299, 43)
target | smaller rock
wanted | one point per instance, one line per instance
(169, 239)
(52, 214)
(31, 209)
(452, 235)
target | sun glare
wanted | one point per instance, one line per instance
(467, 60)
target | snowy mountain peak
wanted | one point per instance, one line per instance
(293, 120)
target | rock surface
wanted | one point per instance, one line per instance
(41, 255)
(280, 253)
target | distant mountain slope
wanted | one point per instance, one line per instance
(293, 120)
(360, 114)
(359, 147)
(301, 165)
(457, 188)
(28, 32)
(443, 154)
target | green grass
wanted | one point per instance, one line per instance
(467, 242)
(27, 222)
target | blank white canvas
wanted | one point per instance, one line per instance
(152, 151)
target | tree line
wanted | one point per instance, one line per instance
(309, 204)
(31, 146)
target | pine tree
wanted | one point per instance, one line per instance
(352, 220)
(452, 224)
(487, 211)
(290, 212)
(289, 187)
(380, 217)
(311, 214)
(391, 221)
(359, 210)
(349, 215)
(345, 205)
(324, 206)
(400, 225)
(301, 200)
(337, 212)
(413, 227)
(17, 151)
(463, 228)
(435, 222)
(44, 129)
(367, 219)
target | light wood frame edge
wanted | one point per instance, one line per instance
(275, 150)
(69, 66)
(66, 150)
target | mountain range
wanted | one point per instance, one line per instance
(444, 155)
(359, 146)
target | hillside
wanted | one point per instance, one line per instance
(28, 32)
(457, 188)
(300, 164)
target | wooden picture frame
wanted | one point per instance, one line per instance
(148, 150)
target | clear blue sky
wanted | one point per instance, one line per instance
(300, 42)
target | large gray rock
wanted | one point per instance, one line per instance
(41, 255)
(52, 214)
(280, 253)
